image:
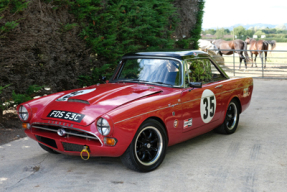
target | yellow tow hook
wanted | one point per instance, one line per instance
(85, 150)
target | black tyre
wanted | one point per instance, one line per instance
(48, 149)
(231, 120)
(147, 150)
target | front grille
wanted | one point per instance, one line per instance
(69, 131)
(47, 141)
(73, 147)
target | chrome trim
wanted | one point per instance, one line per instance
(34, 125)
(218, 86)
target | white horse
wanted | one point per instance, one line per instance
(211, 49)
(204, 45)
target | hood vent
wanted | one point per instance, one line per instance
(78, 101)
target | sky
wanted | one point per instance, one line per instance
(226, 13)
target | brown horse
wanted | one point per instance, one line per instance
(232, 45)
(257, 47)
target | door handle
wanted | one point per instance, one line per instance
(218, 86)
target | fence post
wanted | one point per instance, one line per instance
(262, 59)
(233, 64)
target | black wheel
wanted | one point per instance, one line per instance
(48, 149)
(231, 120)
(147, 150)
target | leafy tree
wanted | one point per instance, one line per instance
(220, 33)
(226, 31)
(115, 27)
(210, 31)
(259, 33)
(249, 32)
(239, 32)
(272, 31)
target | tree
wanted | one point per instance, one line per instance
(210, 31)
(72, 43)
(272, 31)
(219, 33)
(239, 32)
(226, 31)
(259, 33)
(249, 32)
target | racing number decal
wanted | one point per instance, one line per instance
(75, 93)
(207, 105)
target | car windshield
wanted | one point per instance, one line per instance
(157, 71)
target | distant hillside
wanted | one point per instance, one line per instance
(247, 26)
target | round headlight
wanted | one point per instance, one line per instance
(23, 113)
(103, 126)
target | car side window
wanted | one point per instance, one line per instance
(202, 70)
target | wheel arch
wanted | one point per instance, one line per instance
(161, 122)
(238, 101)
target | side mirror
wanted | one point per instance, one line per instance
(195, 84)
(102, 78)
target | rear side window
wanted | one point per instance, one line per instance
(202, 70)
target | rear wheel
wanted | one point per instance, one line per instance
(231, 120)
(48, 149)
(148, 148)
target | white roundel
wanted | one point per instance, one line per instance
(75, 93)
(207, 105)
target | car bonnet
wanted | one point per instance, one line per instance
(83, 106)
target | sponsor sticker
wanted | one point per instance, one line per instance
(246, 92)
(187, 123)
(67, 115)
(175, 123)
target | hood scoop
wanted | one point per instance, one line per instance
(150, 89)
(79, 101)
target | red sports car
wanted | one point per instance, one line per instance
(153, 100)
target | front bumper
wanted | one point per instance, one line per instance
(74, 140)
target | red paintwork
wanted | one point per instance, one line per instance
(127, 105)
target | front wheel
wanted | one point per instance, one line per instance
(147, 150)
(231, 120)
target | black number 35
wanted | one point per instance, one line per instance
(209, 111)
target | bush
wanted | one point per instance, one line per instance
(66, 44)
(113, 28)
(30, 93)
(2, 100)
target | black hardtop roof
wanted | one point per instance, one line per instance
(182, 54)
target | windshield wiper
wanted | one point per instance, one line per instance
(163, 83)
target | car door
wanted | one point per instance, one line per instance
(201, 106)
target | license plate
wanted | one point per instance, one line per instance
(67, 115)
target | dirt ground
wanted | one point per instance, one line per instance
(10, 127)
